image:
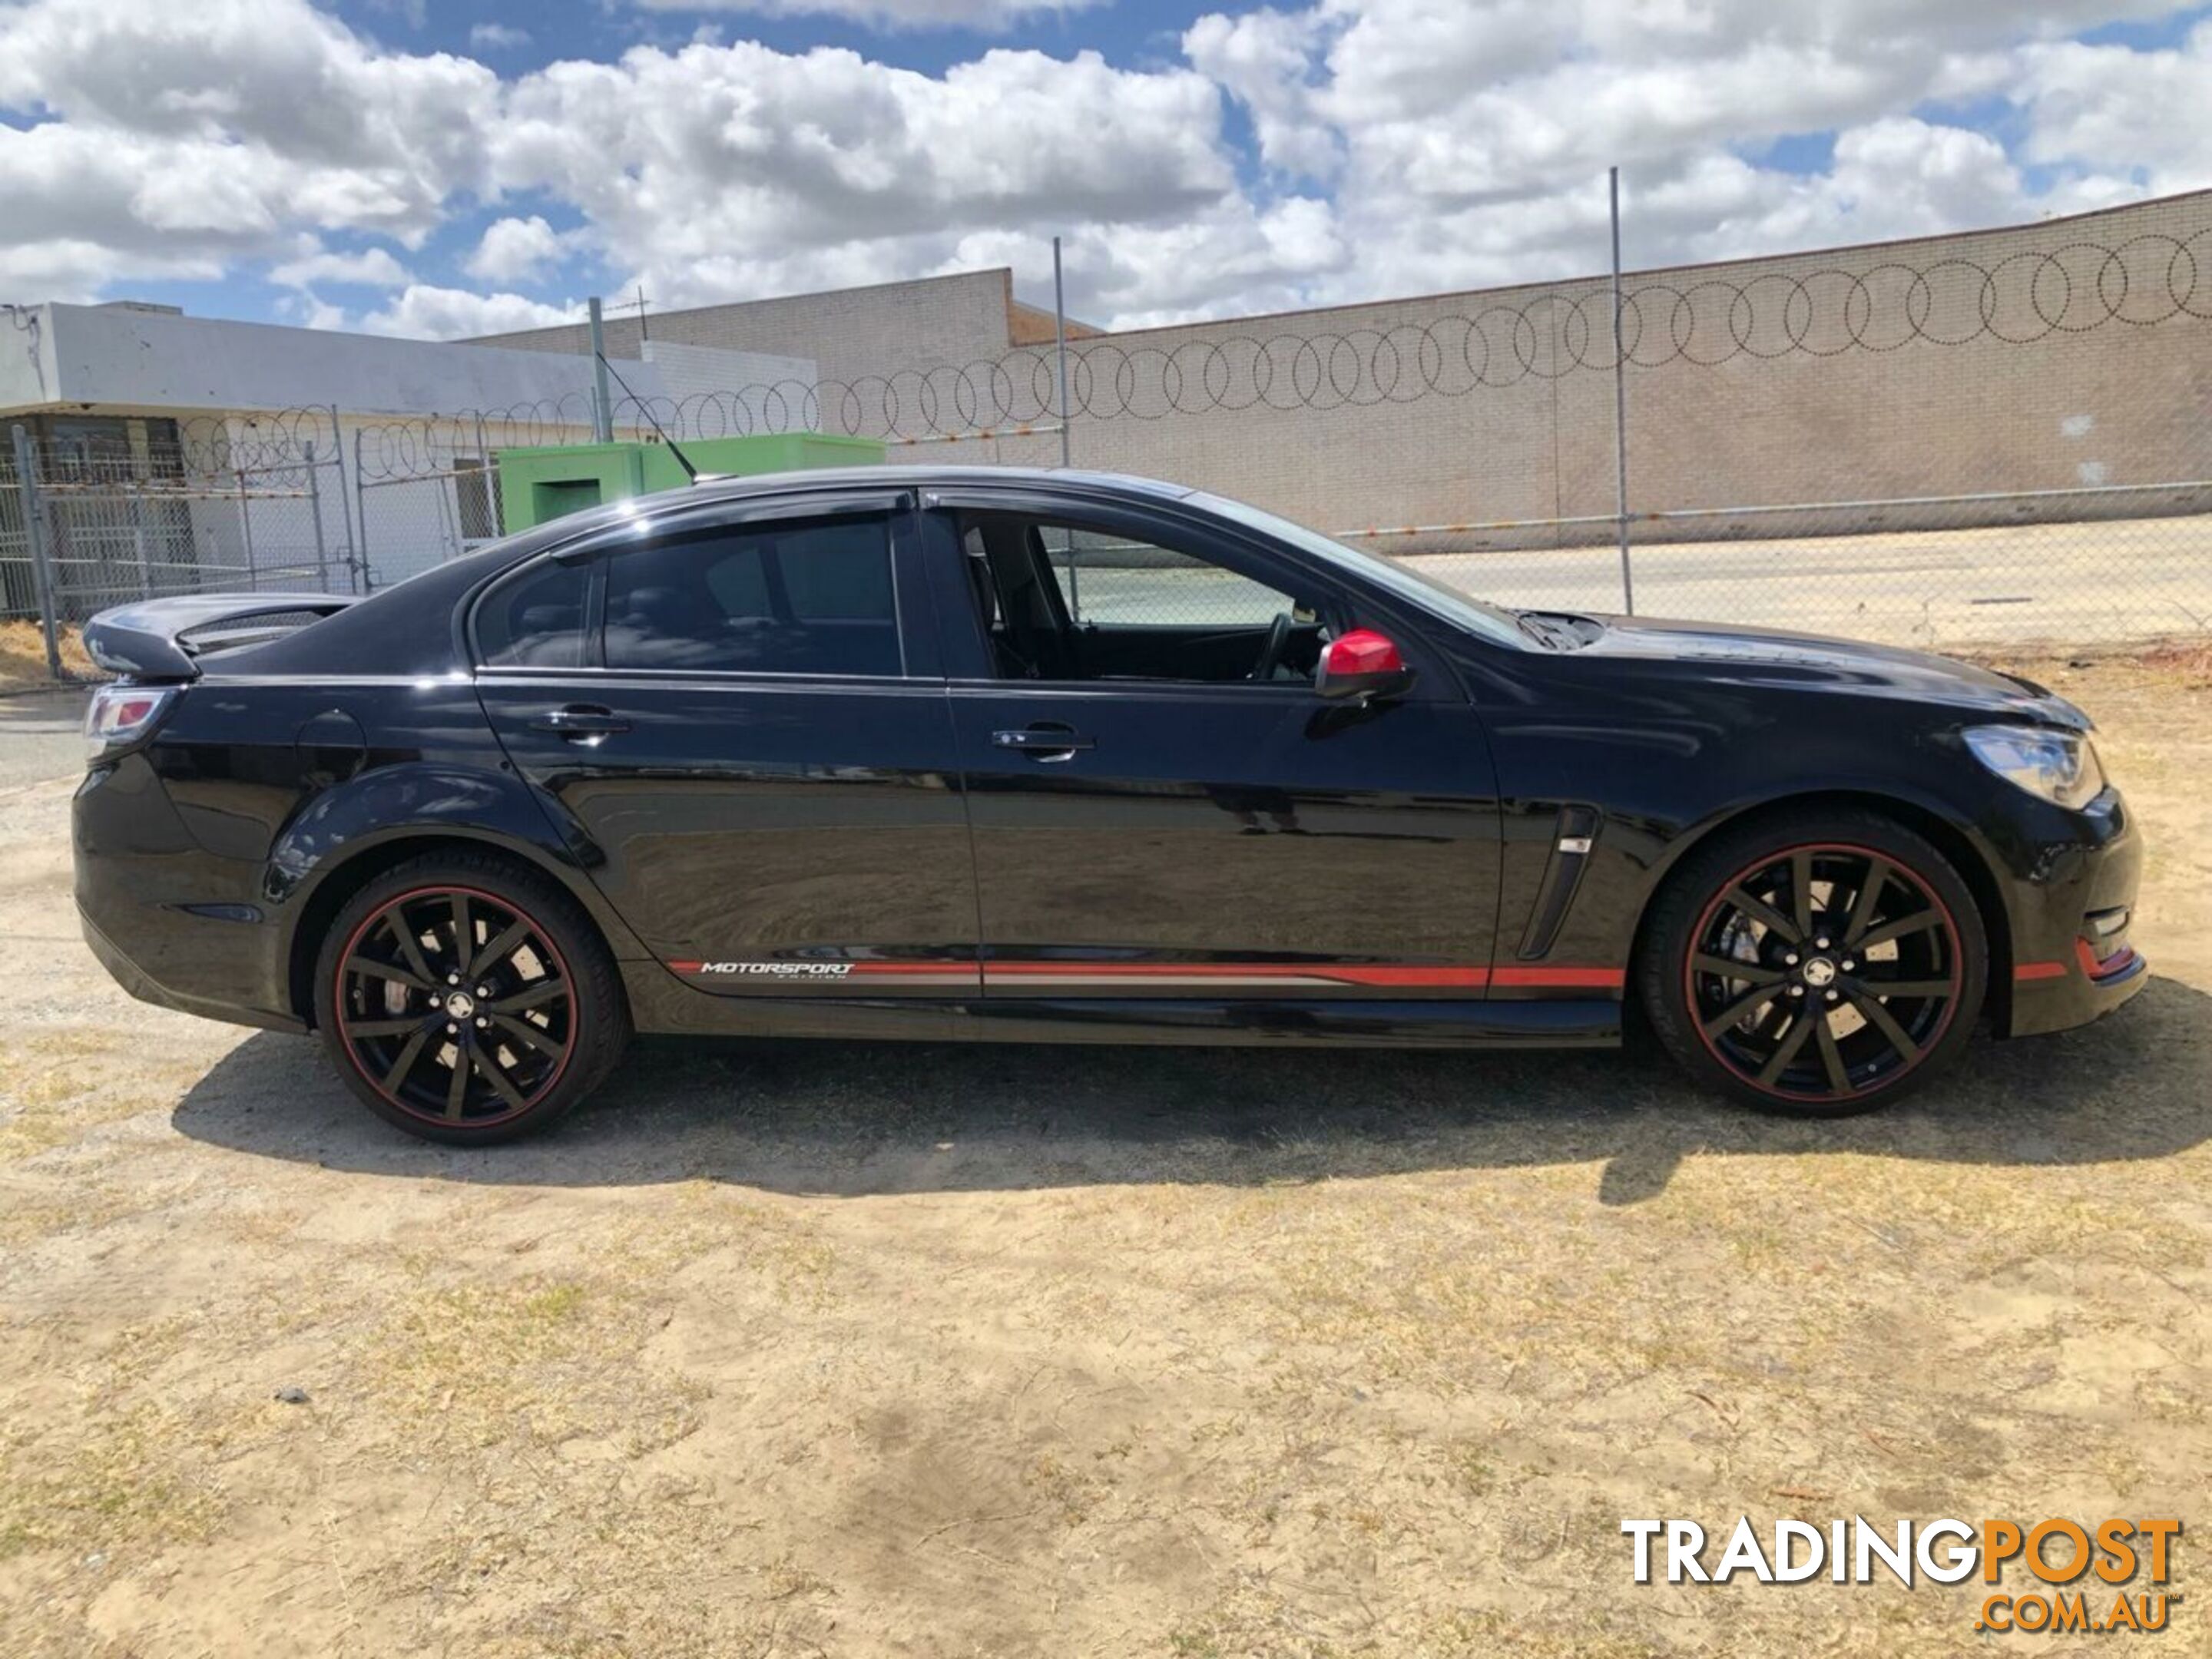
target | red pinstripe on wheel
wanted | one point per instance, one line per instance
(1953, 968)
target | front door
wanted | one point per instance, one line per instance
(750, 738)
(1163, 808)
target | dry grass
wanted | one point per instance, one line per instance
(797, 1350)
(23, 655)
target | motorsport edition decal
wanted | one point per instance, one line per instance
(769, 969)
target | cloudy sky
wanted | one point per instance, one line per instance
(453, 166)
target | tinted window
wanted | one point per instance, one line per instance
(796, 597)
(1109, 578)
(1400, 577)
(536, 621)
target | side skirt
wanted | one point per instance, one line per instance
(663, 1005)
(1566, 1023)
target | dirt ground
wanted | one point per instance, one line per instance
(788, 1350)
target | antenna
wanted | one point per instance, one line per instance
(636, 305)
(690, 472)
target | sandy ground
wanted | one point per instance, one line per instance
(791, 1350)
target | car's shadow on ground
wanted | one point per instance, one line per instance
(853, 1118)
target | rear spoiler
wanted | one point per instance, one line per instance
(163, 639)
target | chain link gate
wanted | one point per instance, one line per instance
(83, 527)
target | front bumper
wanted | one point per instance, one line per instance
(2072, 961)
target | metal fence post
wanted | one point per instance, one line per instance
(603, 413)
(246, 530)
(345, 508)
(34, 534)
(1620, 401)
(315, 517)
(361, 513)
(138, 540)
(493, 504)
(1060, 341)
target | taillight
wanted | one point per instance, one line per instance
(121, 715)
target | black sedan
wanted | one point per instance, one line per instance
(1022, 756)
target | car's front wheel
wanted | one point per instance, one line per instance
(1816, 963)
(468, 1000)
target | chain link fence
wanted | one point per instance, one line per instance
(1998, 440)
(85, 526)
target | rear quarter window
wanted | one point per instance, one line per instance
(534, 620)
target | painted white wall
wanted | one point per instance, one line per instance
(114, 358)
(26, 357)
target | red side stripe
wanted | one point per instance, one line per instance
(2028, 970)
(1603, 979)
(2112, 966)
(1365, 974)
(1369, 974)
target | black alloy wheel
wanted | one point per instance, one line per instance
(457, 1003)
(1818, 973)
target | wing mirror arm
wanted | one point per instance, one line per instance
(1362, 666)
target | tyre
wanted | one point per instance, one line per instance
(1817, 963)
(466, 998)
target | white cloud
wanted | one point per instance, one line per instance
(372, 267)
(173, 141)
(2106, 108)
(311, 312)
(422, 312)
(715, 172)
(980, 14)
(1264, 60)
(516, 250)
(1399, 146)
(497, 36)
(712, 150)
(1467, 144)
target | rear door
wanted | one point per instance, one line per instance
(742, 716)
(1150, 822)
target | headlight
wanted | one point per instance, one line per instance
(121, 715)
(2061, 767)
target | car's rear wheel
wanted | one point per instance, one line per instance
(468, 1000)
(1816, 963)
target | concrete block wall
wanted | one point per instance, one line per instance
(2068, 353)
(848, 335)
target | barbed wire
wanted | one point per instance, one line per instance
(2020, 301)
(212, 446)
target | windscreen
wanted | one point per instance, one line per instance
(1430, 595)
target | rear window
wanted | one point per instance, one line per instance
(810, 597)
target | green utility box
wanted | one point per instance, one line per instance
(536, 485)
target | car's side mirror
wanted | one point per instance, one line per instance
(1363, 664)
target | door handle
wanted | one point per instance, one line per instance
(580, 722)
(1043, 742)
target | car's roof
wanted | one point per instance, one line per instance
(924, 476)
(918, 476)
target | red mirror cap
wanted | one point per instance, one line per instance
(1364, 651)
